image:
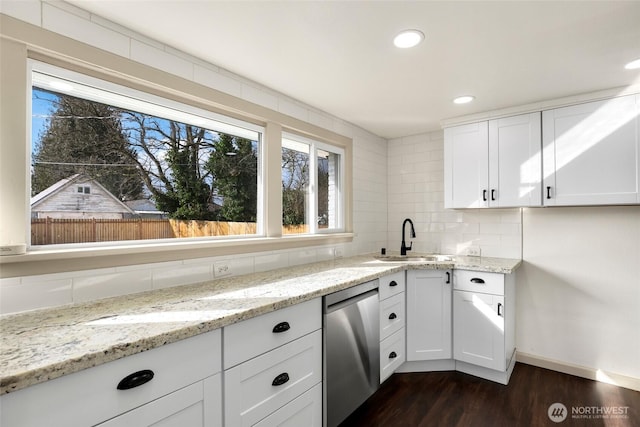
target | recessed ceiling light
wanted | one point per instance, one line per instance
(408, 38)
(633, 65)
(464, 99)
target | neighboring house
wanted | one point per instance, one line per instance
(145, 208)
(78, 197)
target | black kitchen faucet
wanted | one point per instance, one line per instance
(403, 246)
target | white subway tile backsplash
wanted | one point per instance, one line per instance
(183, 274)
(82, 29)
(103, 284)
(18, 295)
(271, 261)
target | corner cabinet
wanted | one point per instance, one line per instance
(484, 324)
(495, 163)
(428, 315)
(592, 153)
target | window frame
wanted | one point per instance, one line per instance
(311, 216)
(146, 103)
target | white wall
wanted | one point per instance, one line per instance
(416, 191)
(579, 288)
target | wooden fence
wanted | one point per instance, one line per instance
(49, 231)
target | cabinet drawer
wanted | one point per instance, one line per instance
(251, 391)
(392, 354)
(186, 407)
(391, 284)
(89, 397)
(392, 315)
(305, 410)
(250, 338)
(474, 281)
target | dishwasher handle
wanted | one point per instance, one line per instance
(353, 300)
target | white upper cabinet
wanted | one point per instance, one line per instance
(515, 163)
(494, 164)
(466, 165)
(591, 153)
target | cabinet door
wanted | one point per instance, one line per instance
(478, 329)
(515, 162)
(591, 153)
(466, 166)
(428, 315)
(185, 407)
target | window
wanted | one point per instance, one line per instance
(155, 168)
(312, 193)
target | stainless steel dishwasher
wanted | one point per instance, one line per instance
(351, 350)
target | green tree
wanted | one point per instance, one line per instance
(84, 137)
(233, 165)
(295, 179)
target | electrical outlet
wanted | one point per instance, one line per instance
(472, 251)
(337, 253)
(221, 269)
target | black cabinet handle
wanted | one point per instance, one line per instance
(392, 316)
(280, 379)
(493, 194)
(281, 327)
(499, 307)
(477, 280)
(448, 277)
(548, 192)
(393, 283)
(136, 379)
(484, 195)
(392, 355)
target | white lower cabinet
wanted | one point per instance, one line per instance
(277, 361)
(183, 376)
(428, 315)
(484, 324)
(190, 406)
(392, 323)
(305, 410)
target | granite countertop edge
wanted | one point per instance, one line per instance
(49, 343)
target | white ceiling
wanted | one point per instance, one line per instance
(338, 55)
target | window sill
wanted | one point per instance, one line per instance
(59, 259)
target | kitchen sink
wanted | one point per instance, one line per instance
(415, 258)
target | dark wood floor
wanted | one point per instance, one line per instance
(445, 399)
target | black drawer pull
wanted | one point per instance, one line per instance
(477, 280)
(484, 195)
(499, 309)
(548, 192)
(392, 316)
(135, 380)
(448, 277)
(392, 355)
(393, 283)
(493, 194)
(280, 379)
(281, 327)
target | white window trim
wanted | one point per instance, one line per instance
(316, 145)
(91, 88)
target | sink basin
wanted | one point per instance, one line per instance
(415, 258)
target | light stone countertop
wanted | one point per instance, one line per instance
(45, 344)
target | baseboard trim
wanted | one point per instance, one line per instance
(579, 371)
